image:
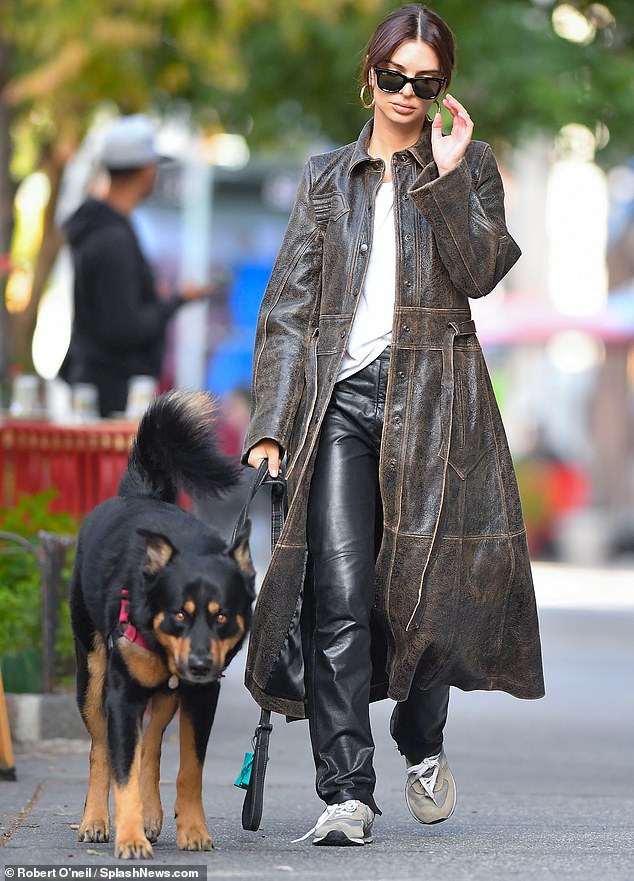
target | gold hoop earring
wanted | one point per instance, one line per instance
(363, 99)
(438, 109)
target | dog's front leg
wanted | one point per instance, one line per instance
(91, 670)
(163, 708)
(126, 702)
(198, 708)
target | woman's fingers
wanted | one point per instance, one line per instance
(450, 149)
(266, 450)
(462, 125)
(457, 109)
(436, 128)
(274, 461)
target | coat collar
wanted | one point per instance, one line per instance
(421, 150)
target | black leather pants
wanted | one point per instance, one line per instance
(344, 530)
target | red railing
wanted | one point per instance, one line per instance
(83, 462)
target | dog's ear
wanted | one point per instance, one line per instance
(158, 551)
(241, 552)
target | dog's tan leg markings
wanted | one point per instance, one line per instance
(130, 841)
(163, 708)
(95, 824)
(191, 829)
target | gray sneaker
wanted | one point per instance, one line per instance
(343, 825)
(430, 790)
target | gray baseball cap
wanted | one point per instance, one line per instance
(128, 142)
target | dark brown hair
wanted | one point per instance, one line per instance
(411, 22)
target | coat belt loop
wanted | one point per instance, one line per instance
(464, 328)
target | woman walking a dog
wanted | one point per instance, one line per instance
(402, 568)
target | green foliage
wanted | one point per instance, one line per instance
(20, 622)
(284, 72)
(20, 626)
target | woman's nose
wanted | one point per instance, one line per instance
(407, 89)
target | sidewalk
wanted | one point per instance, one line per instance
(545, 787)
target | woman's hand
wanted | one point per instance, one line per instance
(190, 291)
(266, 449)
(449, 149)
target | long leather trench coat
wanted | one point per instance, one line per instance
(454, 598)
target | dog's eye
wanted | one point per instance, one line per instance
(180, 615)
(221, 618)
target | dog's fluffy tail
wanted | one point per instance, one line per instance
(175, 448)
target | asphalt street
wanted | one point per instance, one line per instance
(545, 788)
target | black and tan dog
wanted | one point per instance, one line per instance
(160, 605)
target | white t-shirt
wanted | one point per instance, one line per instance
(372, 327)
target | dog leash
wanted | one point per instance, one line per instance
(253, 774)
(278, 496)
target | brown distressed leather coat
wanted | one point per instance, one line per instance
(454, 593)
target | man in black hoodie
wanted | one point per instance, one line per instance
(120, 320)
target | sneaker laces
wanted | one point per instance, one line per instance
(426, 773)
(332, 811)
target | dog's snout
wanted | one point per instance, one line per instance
(199, 666)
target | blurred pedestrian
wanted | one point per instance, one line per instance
(120, 318)
(404, 523)
(235, 408)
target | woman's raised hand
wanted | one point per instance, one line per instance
(449, 149)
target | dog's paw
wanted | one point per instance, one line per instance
(193, 838)
(94, 831)
(133, 848)
(152, 824)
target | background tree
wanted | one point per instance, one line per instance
(284, 74)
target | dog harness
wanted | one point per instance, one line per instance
(130, 631)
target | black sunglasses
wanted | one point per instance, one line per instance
(425, 87)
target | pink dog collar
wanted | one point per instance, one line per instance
(130, 631)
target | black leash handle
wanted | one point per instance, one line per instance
(254, 798)
(278, 500)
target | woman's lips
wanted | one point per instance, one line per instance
(403, 108)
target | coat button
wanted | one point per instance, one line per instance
(343, 334)
(407, 237)
(397, 420)
(392, 463)
(364, 248)
(406, 328)
(401, 374)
